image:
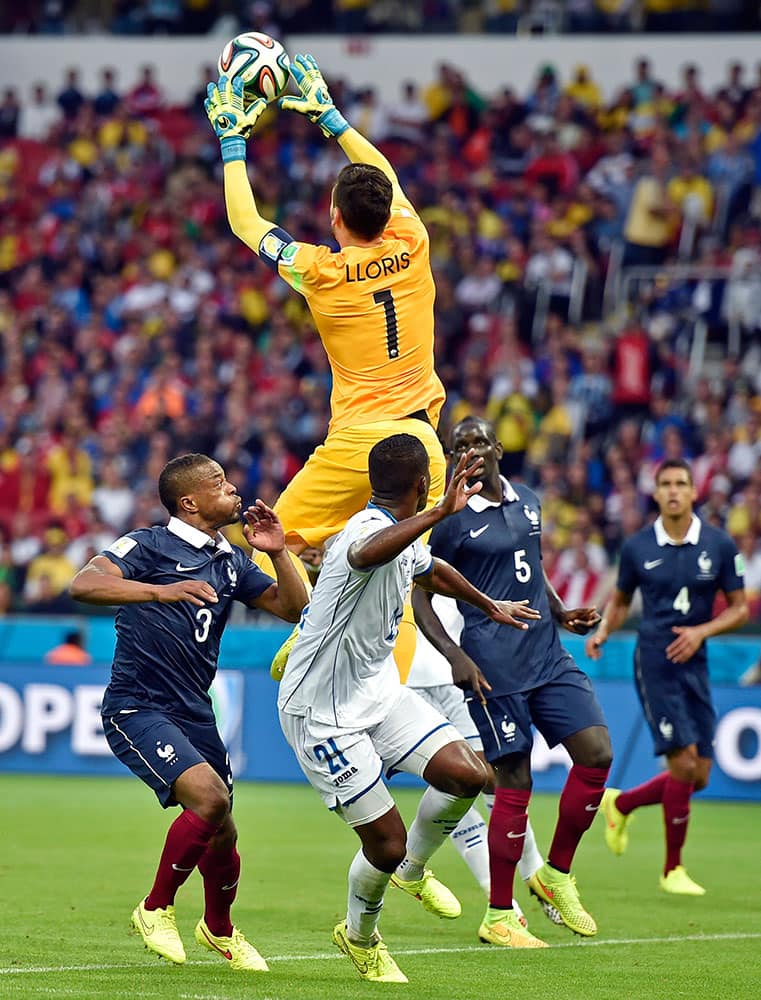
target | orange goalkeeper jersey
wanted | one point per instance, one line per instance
(373, 307)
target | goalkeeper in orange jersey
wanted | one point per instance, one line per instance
(372, 303)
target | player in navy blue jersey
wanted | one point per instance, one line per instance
(679, 565)
(519, 677)
(175, 586)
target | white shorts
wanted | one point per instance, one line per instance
(450, 701)
(347, 768)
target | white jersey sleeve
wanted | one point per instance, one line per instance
(429, 668)
(341, 671)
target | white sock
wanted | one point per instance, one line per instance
(489, 801)
(470, 840)
(367, 884)
(436, 819)
(530, 859)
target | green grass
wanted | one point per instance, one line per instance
(77, 853)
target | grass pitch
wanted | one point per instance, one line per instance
(77, 854)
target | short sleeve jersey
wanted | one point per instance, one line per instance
(373, 307)
(166, 654)
(678, 583)
(341, 671)
(497, 547)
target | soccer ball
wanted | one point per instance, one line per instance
(260, 61)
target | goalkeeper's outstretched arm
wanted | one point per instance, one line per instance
(317, 105)
(242, 212)
(361, 150)
(233, 122)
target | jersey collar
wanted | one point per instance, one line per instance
(479, 503)
(691, 538)
(195, 537)
(374, 506)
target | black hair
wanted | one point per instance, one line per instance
(178, 476)
(673, 463)
(396, 464)
(363, 195)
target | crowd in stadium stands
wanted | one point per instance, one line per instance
(134, 326)
(137, 17)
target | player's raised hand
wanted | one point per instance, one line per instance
(466, 674)
(513, 613)
(315, 101)
(263, 529)
(458, 492)
(196, 592)
(229, 117)
(580, 620)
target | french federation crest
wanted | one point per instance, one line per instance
(532, 515)
(232, 573)
(704, 563)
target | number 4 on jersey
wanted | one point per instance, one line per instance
(682, 601)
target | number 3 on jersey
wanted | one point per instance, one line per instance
(386, 299)
(682, 601)
(203, 617)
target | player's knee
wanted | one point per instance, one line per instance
(386, 854)
(684, 767)
(457, 771)
(215, 806)
(592, 748)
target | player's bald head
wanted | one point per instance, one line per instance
(362, 194)
(181, 476)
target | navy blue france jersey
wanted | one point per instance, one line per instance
(497, 547)
(166, 654)
(678, 583)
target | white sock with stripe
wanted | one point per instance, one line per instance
(367, 885)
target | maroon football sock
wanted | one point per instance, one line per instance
(506, 837)
(646, 794)
(676, 815)
(186, 840)
(579, 802)
(220, 870)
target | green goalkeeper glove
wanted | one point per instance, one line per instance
(315, 101)
(229, 118)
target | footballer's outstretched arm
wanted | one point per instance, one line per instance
(361, 150)
(242, 212)
(316, 103)
(232, 123)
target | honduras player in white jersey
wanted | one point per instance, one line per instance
(346, 714)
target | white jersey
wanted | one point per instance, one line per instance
(429, 668)
(341, 671)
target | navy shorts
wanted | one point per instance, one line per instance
(561, 707)
(676, 702)
(159, 749)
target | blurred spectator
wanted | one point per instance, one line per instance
(650, 222)
(107, 99)
(39, 115)
(71, 99)
(71, 652)
(10, 109)
(145, 98)
(51, 571)
(407, 116)
(113, 497)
